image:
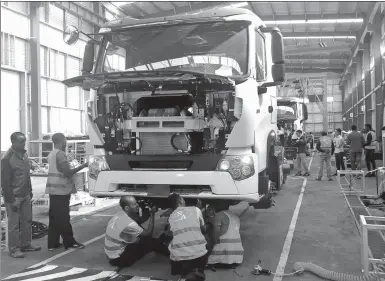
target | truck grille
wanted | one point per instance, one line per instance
(180, 189)
(160, 165)
(160, 143)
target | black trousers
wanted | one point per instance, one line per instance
(369, 158)
(340, 160)
(59, 221)
(190, 269)
(134, 252)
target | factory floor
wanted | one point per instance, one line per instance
(310, 222)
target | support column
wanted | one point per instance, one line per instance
(361, 112)
(367, 86)
(379, 94)
(35, 76)
(325, 106)
(349, 99)
(354, 93)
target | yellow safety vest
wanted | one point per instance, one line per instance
(113, 244)
(372, 144)
(188, 242)
(229, 250)
(57, 183)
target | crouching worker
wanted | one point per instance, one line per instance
(227, 251)
(126, 241)
(188, 246)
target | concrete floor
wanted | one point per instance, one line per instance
(324, 233)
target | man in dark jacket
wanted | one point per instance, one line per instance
(17, 192)
(356, 141)
(370, 147)
(300, 143)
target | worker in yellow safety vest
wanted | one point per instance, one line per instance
(126, 242)
(60, 187)
(228, 250)
(188, 253)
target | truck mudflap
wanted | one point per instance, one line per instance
(266, 189)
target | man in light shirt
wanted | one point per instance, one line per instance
(339, 150)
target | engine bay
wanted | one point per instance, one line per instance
(168, 118)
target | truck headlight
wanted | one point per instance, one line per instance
(240, 167)
(96, 164)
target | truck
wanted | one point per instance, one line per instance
(193, 109)
(292, 111)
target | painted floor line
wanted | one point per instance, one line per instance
(289, 238)
(66, 252)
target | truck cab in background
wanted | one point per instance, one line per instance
(292, 111)
(191, 108)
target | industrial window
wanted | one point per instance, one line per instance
(44, 91)
(10, 110)
(73, 97)
(21, 51)
(56, 16)
(56, 94)
(44, 61)
(8, 50)
(44, 120)
(73, 67)
(260, 57)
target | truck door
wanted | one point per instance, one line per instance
(274, 111)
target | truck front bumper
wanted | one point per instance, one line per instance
(221, 184)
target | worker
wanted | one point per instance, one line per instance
(325, 146)
(188, 252)
(339, 150)
(60, 187)
(126, 242)
(356, 142)
(17, 192)
(300, 143)
(310, 139)
(370, 147)
(228, 250)
(281, 135)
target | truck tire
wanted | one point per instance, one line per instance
(274, 172)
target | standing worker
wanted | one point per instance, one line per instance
(339, 150)
(370, 147)
(300, 143)
(228, 250)
(325, 146)
(60, 187)
(188, 253)
(126, 242)
(356, 141)
(17, 192)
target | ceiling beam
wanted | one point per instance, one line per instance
(317, 34)
(290, 76)
(315, 56)
(372, 10)
(306, 71)
(295, 51)
(114, 9)
(315, 65)
(312, 16)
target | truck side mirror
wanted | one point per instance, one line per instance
(277, 53)
(88, 58)
(305, 113)
(71, 35)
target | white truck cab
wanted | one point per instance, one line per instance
(292, 111)
(191, 110)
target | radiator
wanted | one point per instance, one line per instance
(160, 143)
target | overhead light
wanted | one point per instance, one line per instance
(319, 37)
(330, 99)
(306, 100)
(120, 4)
(237, 5)
(283, 22)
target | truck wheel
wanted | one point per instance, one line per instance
(274, 172)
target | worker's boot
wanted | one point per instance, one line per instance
(16, 254)
(30, 248)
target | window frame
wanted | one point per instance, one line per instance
(264, 53)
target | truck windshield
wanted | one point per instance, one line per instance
(287, 111)
(209, 48)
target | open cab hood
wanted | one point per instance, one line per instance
(150, 78)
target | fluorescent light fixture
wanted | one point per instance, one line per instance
(330, 99)
(319, 37)
(306, 100)
(283, 22)
(120, 4)
(237, 5)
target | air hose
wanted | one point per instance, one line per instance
(300, 267)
